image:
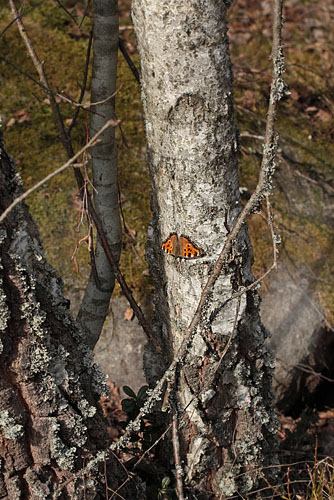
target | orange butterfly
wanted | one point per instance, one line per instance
(181, 247)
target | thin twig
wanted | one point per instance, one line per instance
(106, 478)
(23, 196)
(84, 14)
(275, 240)
(129, 60)
(41, 73)
(84, 83)
(152, 446)
(177, 459)
(86, 105)
(67, 12)
(20, 17)
(61, 96)
(25, 74)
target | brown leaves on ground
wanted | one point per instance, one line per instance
(20, 116)
(112, 409)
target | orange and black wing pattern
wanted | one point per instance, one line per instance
(188, 249)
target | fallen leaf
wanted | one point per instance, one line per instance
(23, 118)
(311, 109)
(128, 314)
(324, 116)
(19, 112)
(132, 234)
(10, 122)
(294, 95)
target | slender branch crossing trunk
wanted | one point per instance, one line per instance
(50, 419)
(223, 389)
(104, 165)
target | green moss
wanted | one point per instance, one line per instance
(35, 145)
(305, 172)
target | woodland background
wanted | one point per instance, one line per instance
(303, 199)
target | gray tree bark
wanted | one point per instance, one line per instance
(50, 419)
(224, 399)
(101, 283)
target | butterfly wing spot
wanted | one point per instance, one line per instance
(181, 247)
(188, 249)
(169, 246)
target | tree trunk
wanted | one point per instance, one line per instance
(101, 283)
(224, 400)
(50, 419)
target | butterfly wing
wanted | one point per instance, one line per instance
(188, 249)
(171, 245)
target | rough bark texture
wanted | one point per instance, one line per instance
(104, 166)
(50, 421)
(225, 404)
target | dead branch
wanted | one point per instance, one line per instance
(20, 16)
(177, 459)
(129, 60)
(84, 83)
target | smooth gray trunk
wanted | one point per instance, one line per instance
(104, 167)
(224, 401)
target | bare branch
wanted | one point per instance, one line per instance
(67, 12)
(177, 459)
(129, 60)
(85, 13)
(20, 17)
(84, 83)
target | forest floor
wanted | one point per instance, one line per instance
(303, 199)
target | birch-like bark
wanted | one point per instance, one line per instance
(224, 400)
(96, 300)
(50, 419)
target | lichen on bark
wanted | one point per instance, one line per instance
(50, 418)
(223, 398)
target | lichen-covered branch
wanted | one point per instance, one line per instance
(50, 418)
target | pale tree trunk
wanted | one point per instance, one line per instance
(223, 400)
(104, 166)
(50, 419)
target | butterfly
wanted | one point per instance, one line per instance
(181, 247)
